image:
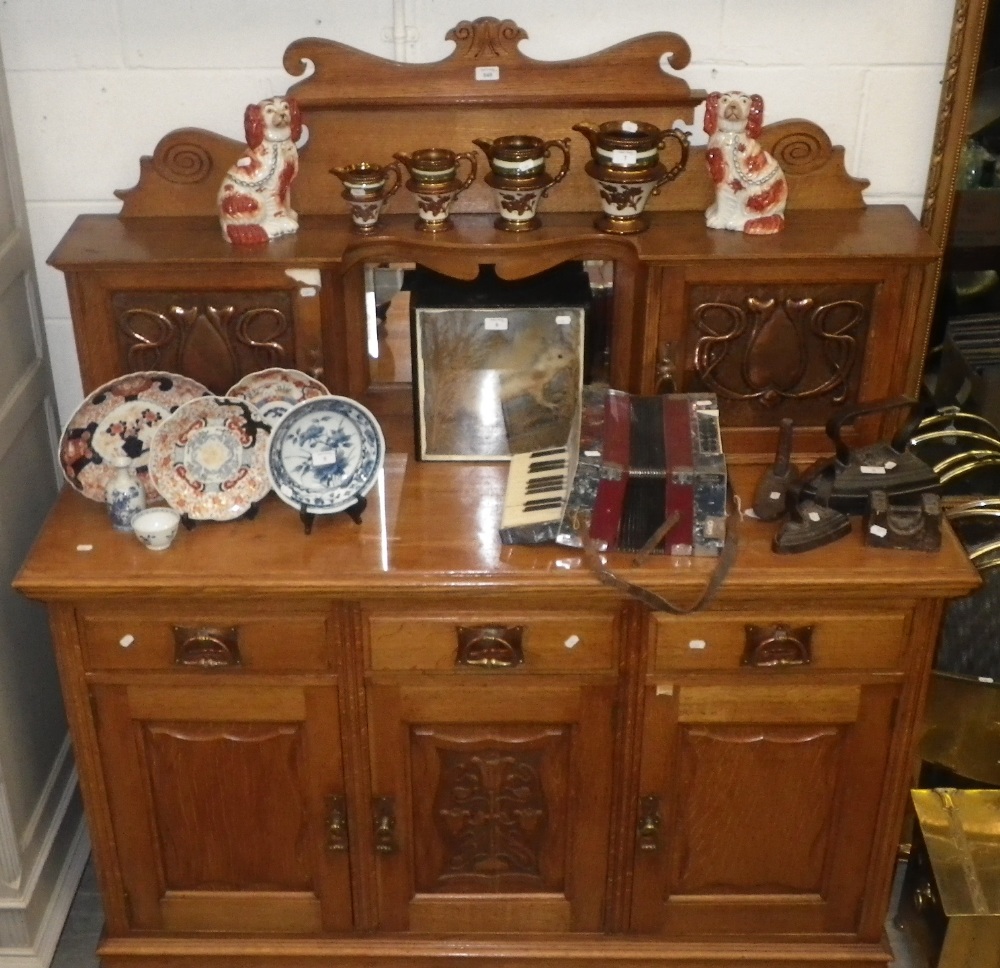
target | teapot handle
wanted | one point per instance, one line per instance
(563, 146)
(393, 167)
(471, 159)
(684, 139)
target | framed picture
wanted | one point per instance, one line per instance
(494, 381)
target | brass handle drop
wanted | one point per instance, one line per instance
(384, 810)
(206, 648)
(648, 834)
(490, 646)
(769, 646)
(336, 823)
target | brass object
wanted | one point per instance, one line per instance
(951, 900)
(490, 646)
(206, 648)
(336, 823)
(435, 184)
(367, 187)
(384, 819)
(961, 728)
(769, 646)
(649, 829)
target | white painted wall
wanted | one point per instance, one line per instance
(94, 84)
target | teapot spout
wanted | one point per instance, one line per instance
(589, 131)
(403, 157)
(487, 146)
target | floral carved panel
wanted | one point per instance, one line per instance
(212, 337)
(771, 351)
(490, 814)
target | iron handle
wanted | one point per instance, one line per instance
(771, 646)
(206, 648)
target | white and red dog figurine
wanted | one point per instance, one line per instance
(750, 187)
(254, 198)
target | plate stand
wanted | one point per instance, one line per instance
(248, 515)
(354, 512)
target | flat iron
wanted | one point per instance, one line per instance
(811, 522)
(884, 466)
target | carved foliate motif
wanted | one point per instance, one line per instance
(771, 348)
(491, 812)
(214, 338)
(486, 37)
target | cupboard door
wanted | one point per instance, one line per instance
(227, 803)
(758, 805)
(491, 804)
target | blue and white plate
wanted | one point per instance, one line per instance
(324, 454)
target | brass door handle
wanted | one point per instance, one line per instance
(336, 823)
(649, 828)
(206, 648)
(384, 820)
(490, 646)
(769, 646)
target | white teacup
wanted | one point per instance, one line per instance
(156, 528)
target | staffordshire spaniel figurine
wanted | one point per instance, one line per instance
(750, 187)
(253, 200)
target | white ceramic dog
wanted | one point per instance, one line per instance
(254, 198)
(750, 187)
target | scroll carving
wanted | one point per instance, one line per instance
(491, 812)
(214, 338)
(769, 348)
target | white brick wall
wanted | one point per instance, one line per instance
(122, 73)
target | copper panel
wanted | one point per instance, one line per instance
(212, 337)
(779, 350)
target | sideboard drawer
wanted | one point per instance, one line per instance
(729, 641)
(553, 642)
(185, 641)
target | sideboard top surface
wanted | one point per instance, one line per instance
(888, 232)
(433, 528)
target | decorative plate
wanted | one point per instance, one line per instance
(325, 454)
(276, 390)
(120, 419)
(209, 459)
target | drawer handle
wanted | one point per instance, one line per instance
(769, 646)
(649, 828)
(384, 819)
(490, 646)
(206, 648)
(336, 823)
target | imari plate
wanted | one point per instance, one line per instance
(119, 419)
(209, 459)
(324, 454)
(276, 390)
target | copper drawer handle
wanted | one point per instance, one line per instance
(206, 648)
(490, 646)
(770, 646)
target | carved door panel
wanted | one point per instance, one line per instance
(227, 804)
(491, 805)
(758, 805)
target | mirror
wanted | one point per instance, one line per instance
(961, 292)
(495, 366)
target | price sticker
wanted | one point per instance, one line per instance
(623, 157)
(490, 73)
(498, 323)
(630, 126)
(324, 458)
